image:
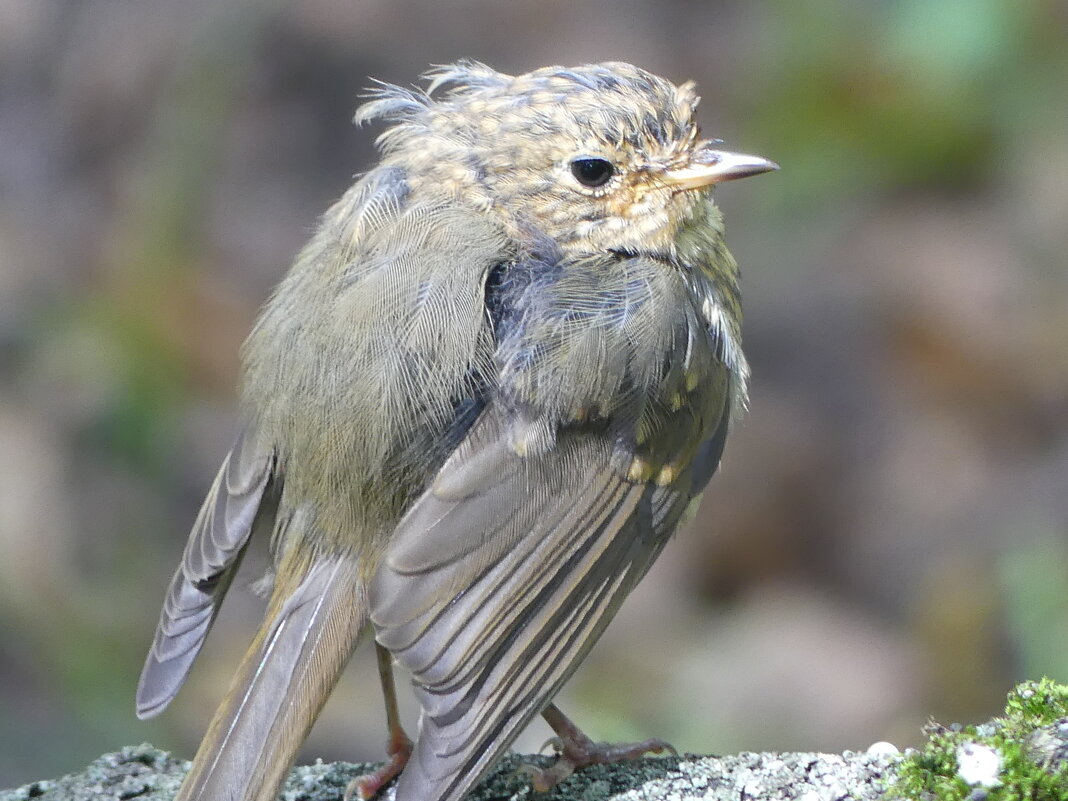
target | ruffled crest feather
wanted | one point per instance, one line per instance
(464, 75)
(391, 103)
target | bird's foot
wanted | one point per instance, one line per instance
(368, 785)
(574, 750)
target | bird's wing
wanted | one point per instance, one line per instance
(500, 579)
(238, 498)
(502, 575)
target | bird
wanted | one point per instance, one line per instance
(492, 385)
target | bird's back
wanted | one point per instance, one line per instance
(367, 363)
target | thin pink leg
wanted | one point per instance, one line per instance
(399, 747)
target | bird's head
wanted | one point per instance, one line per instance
(605, 157)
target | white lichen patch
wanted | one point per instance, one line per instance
(979, 765)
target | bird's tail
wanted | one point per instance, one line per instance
(308, 634)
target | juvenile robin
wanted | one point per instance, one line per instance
(475, 410)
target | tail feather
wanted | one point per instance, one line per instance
(282, 683)
(242, 500)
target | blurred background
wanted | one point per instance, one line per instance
(888, 536)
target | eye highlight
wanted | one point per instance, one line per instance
(592, 172)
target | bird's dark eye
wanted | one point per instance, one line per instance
(592, 172)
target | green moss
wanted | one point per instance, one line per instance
(1030, 771)
(1036, 703)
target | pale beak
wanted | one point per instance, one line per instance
(709, 167)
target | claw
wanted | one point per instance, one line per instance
(544, 779)
(555, 743)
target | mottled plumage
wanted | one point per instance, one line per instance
(477, 408)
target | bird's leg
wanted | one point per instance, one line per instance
(575, 750)
(398, 748)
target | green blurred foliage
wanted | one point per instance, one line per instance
(903, 95)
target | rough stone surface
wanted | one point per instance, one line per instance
(145, 773)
